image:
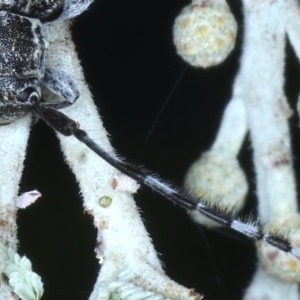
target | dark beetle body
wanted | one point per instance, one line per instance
(22, 56)
(21, 61)
(22, 46)
(44, 10)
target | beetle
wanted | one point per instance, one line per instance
(22, 72)
(22, 57)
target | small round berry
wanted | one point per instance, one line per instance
(105, 201)
(205, 32)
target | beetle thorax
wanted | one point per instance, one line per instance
(22, 46)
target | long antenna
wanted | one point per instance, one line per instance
(66, 126)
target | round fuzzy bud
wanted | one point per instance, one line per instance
(219, 181)
(278, 263)
(205, 32)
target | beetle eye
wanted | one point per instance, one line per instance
(28, 95)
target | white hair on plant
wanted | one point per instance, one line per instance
(130, 267)
(205, 32)
(258, 105)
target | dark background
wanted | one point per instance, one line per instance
(132, 68)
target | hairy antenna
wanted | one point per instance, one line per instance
(66, 126)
